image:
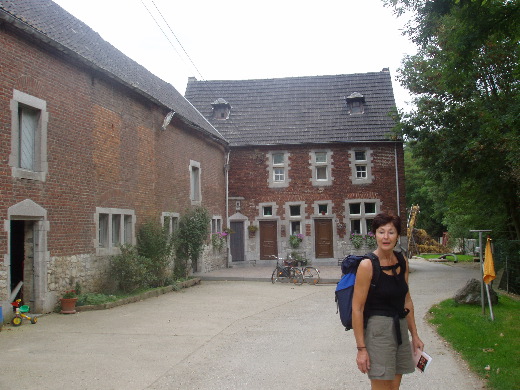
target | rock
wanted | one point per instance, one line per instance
(470, 294)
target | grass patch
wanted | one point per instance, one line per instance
(482, 342)
(100, 298)
(461, 258)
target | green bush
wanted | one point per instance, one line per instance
(129, 269)
(154, 243)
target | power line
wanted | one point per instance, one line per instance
(160, 28)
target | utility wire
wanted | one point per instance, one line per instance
(165, 35)
(177, 39)
(180, 44)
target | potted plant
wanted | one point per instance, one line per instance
(357, 240)
(68, 302)
(295, 240)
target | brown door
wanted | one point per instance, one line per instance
(268, 240)
(323, 238)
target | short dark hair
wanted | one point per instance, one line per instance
(385, 218)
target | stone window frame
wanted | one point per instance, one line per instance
(271, 166)
(216, 224)
(363, 216)
(106, 246)
(39, 173)
(274, 209)
(296, 218)
(195, 185)
(316, 207)
(314, 165)
(367, 163)
(170, 221)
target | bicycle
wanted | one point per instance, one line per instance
(286, 272)
(311, 275)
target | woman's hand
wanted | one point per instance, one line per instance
(363, 361)
(417, 344)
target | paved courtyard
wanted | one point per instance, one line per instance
(222, 335)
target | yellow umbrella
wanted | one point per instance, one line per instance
(489, 266)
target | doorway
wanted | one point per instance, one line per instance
(323, 238)
(268, 240)
(22, 260)
(236, 241)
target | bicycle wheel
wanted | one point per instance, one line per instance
(274, 276)
(297, 276)
(311, 275)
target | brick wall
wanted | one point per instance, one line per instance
(105, 149)
(249, 173)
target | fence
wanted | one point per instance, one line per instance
(507, 264)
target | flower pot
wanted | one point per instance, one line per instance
(68, 305)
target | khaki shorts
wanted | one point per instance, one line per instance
(387, 359)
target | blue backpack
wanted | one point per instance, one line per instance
(345, 288)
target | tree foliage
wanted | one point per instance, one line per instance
(190, 238)
(465, 127)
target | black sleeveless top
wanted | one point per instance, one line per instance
(388, 296)
(389, 293)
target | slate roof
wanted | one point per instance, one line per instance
(298, 110)
(46, 21)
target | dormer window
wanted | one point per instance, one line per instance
(355, 103)
(221, 109)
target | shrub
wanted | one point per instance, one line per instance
(155, 243)
(129, 269)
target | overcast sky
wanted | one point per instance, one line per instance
(240, 39)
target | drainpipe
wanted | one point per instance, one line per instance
(226, 169)
(397, 181)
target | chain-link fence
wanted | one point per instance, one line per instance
(507, 265)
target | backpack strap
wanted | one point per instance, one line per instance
(401, 260)
(376, 269)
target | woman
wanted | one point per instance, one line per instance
(384, 350)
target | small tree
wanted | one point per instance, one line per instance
(190, 238)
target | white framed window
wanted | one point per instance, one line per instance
(195, 185)
(321, 167)
(170, 221)
(360, 213)
(29, 118)
(216, 224)
(267, 211)
(296, 213)
(114, 227)
(278, 169)
(361, 165)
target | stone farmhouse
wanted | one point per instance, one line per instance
(92, 145)
(309, 156)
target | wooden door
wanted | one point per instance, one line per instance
(236, 241)
(268, 240)
(323, 238)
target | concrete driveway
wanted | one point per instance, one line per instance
(222, 335)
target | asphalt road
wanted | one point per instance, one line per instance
(222, 335)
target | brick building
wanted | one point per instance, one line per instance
(92, 145)
(314, 156)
